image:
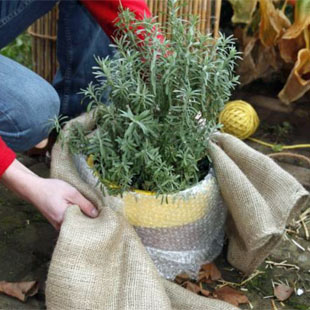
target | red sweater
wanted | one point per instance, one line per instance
(6, 157)
(105, 12)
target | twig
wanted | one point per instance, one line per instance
(251, 277)
(218, 6)
(298, 245)
(291, 155)
(305, 229)
(273, 305)
(282, 264)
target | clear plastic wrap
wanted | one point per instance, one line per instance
(182, 231)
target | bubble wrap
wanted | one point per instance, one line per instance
(179, 236)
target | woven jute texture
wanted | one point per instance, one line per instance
(261, 198)
(101, 263)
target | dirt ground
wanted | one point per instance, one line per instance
(26, 243)
(27, 240)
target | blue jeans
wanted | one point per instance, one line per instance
(27, 102)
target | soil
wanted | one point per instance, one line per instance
(27, 239)
(26, 243)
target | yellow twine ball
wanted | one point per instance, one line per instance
(239, 119)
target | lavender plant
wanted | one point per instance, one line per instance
(164, 96)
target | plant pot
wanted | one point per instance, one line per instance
(181, 231)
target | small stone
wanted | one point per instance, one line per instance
(299, 292)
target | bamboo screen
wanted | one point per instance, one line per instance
(44, 34)
(208, 11)
(44, 30)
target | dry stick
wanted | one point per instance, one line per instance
(157, 8)
(203, 16)
(200, 15)
(305, 229)
(149, 4)
(196, 7)
(274, 307)
(182, 10)
(251, 277)
(161, 12)
(190, 9)
(209, 15)
(154, 7)
(291, 155)
(195, 12)
(282, 264)
(165, 12)
(187, 9)
(158, 11)
(218, 6)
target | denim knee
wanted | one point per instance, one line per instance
(28, 105)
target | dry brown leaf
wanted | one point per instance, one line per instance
(289, 48)
(230, 295)
(181, 278)
(210, 272)
(298, 83)
(258, 61)
(205, 292)
(283, 292)
(273, 23)
(195, 288)
(19, 290)
(293, 39)
(301, 20)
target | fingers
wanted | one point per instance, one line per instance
(85, 205)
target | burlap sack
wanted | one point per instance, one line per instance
(261, 198)
(102, 264)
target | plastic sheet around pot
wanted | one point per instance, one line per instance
(182, 231)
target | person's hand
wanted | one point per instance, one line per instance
(52, 197)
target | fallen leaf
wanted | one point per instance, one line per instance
(283, 292)
(19, 290)
(181, 278)
(205, 292)
(209, 272)
(193, 287)
(230, 295)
